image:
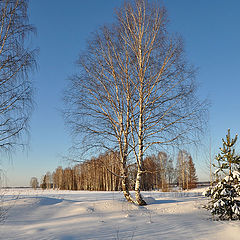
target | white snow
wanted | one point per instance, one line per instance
(236, 174)
(71, 215)
(236, 209)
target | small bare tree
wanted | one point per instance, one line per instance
(16, 60)
(34, 182)
(134, 89)
(182, 168)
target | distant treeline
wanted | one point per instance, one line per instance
(103, 174)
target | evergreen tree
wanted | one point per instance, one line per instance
(227, 159)
(223, 195)
(44, 182)
(192, 174)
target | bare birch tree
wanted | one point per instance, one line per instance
(100, 97)
(182, 169)
(34, 182)
(165, 109)
(134, 89)
(16, 61)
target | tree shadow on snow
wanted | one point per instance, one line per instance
(67, 237)
(151, 200)
(49, 201)
(44, 201)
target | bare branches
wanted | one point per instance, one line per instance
(16, 61)
(134, 89)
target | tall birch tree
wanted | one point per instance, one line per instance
(134, 89)
(165, 108)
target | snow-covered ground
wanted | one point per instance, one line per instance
(68, 215)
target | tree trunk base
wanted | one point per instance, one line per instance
(139, 200)
(126, 192)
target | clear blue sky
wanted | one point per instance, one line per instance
(212, 36)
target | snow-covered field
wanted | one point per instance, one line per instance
(68, 215)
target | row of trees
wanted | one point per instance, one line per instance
(103, 174)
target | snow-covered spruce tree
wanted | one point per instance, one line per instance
(223, 195)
